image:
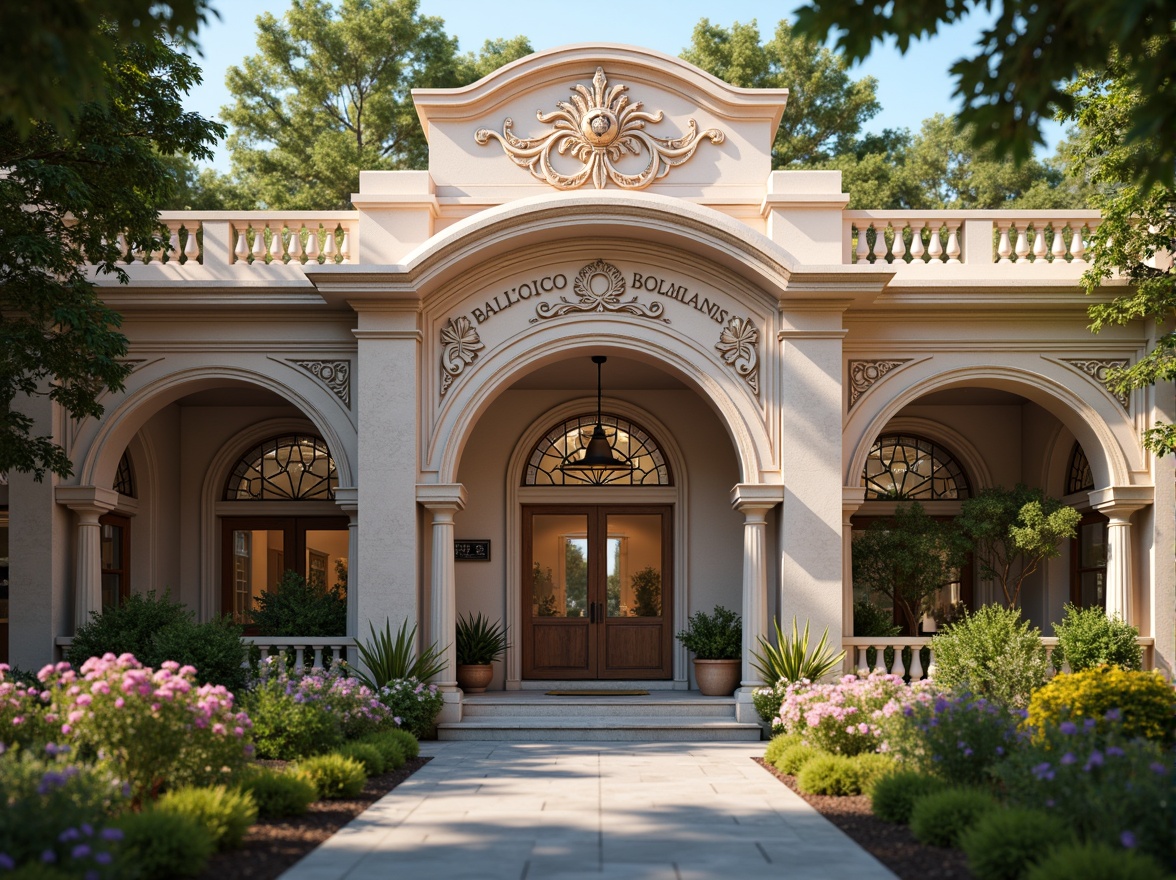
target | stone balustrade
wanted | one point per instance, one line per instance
(303, 652)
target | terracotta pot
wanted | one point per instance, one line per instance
(474, 677)
(717, 678)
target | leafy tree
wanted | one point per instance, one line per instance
(908, 558)
(1137, 237)
(1024, 59)
(65, 196)
(1014, 531)
(57, 53)
(297, 607)
(329, 95)
(826, 109)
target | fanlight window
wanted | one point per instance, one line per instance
(570, 437)
(124, 478)
(292, 467)
(903, 467)
(1080, 477)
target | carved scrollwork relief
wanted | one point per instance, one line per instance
(863, 374)
(737, 345)
(336, 375)
(598, 128)
(460, 345)
(599, 287)
(1098, 370)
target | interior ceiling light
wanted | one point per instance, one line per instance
(598, 455)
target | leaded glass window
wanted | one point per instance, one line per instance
(292, 467)
(568, 440)
(904, 467)
(1080, 478)
(124, 478)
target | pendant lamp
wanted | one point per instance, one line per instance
(600, 462)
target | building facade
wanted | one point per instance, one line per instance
(390, 397)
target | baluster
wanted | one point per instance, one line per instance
(1038, 242)
(123, 247)
(917, 241)
(935, 246)
(294, 248)
(930, 664)
(191, 246)
(953, 244)
(1003, 249)
(299, 653)
(259, 248)
(173, 244)
(879, 659)
(312, 245)
(878, 252)
(916, 663)
(1022, 249)
(898, 249)
(863, 247)
(329, 247)
(345, 246)
(241, 251)
(863, 667)
(1058, 248)
(896, 667)
(318, 656)
(1077, 247)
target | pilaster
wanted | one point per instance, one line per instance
(754, 501)
(443, 500)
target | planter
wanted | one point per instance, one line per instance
(717, 678)
(474, 677)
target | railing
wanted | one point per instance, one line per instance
(314, 650)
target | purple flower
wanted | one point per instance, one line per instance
(1069, 728)
(81, 851)
(1068, 758)
(48, 857)
(103, 858)
(1115, 752)
(1095, 760)
(1127, 839)
(6, 862)
(1157, 767)
(1043, 771)
(1113, 715)
(68, 834)
(967, 753)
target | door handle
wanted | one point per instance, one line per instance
(592, 612)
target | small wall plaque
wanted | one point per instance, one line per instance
(467, 551)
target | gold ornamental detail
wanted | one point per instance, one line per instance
(599, 128)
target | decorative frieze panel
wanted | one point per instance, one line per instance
(737, 345)
(863, 374)
(1098, 370)
(599, 286)
(460, 345)
(336, 375)
(598, 128)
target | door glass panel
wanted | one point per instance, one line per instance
(559, 565)
(1093, 585)
(112, 543)
(326, 558)
(258, 562)
(1094, 545)
(634, 561)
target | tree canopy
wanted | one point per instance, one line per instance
(329, 95)
(65, 197)
(1023, 61)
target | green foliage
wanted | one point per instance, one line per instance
(841, 775)
(299, 608)
(872, 621)
(479, 640)
(895, 794)
(155, 629)
(366, 754)
(647, 592)
(388, 659)
(1014, 531)
(826, 109)
(907, 558)
(285, 729)
(1088, 638)
(779, 744)
(409, 743)
(1095, 861)
(329, 95)
(161, 844)
(715, 636)
(767, 703)
(1004, 843)
(413, 704)
(66, 196)
(279, 794)
(940, 818)
(870, 767)
(1130, 702)
(1041, 52)
(334, 776)
(793, 660)
(992, 654)
(792, 759)
(390, 747)
(225, 813)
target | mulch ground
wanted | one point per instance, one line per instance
(892, 845)
(273, 845)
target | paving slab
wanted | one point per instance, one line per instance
(572, 811)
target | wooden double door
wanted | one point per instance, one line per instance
(597, 592)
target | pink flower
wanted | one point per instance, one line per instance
(119, 703)
(66, 729)
(218, 728)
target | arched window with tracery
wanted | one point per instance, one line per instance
(290, 467)
(124, 477)
(906, 467)
(1079, 477)
(567, 440)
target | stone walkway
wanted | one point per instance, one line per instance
(533, 811)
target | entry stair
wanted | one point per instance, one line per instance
(660, 716)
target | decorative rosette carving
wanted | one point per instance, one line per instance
(599, 128)
(460, 345)
(336, 375)
(863, 374)
(599, 287)
(737, 345)
(1099, 371)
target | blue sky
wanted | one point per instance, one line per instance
(911, 87)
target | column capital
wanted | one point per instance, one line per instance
(441, 496)
(1120, 502)
(347, 497)
(852, 498)
(86, 499)
(756, 497)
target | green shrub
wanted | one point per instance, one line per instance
(413, 704)
(1004, 843)
(1137, 704)
(158, 845)
(38, 871)
(829, 774)
(870, 767)
(767, 705)
(1087, 861)
(793, 758)
(1088, 638)
(287, 729)
(715, 636)
(279, 794)
(334, 776)
(298, 608)
(779, 744)
(367, 754)
(391, 748)
(409, 744)
(942, 817)
(992, 654)
(894, 794)
(225, 813)
(873, 621)
(155, 629)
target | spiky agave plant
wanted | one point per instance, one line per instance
(480, 640)
(389, 658)
(792, 660)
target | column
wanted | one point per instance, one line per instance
(443, 500)
(1118, 504)
(753, 501)
(347, 499)
(89, 503)
(851, 499)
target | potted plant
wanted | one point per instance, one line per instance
(479, 643)
(716, 640)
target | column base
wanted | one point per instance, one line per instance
(451, 708)
(745, 712)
